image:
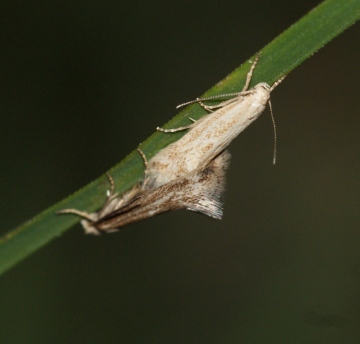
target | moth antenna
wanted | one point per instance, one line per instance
(224, 95)
(244, 90)
(275, 137)
(276, 83)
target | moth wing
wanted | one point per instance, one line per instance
(198, 191)
(209, 186)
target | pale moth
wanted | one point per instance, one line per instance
(189, 173)
(211, 134)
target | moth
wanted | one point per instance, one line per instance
(211, 134)
(189, 173)
(199, 190)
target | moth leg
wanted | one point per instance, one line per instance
(87, 220)
(210, 108)
(217, 106)
(112, 184)
(185, 127)
(93, 216)
(145, 161)
(249, 74)
(145, 180)
(206, 107)
(82, 214)
(109, 193)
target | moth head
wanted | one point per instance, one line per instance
(263, 85)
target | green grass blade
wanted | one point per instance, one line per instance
(282, 55)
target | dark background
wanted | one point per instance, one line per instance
(82, 83)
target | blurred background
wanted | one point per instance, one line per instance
(83, 83)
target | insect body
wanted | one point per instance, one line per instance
(189, 173)
(198, 191)
(210, 135)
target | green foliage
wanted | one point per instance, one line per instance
(278, 58)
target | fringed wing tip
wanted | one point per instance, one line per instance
(211, 186)
(209, 207)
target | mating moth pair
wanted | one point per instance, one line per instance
(189, 173)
